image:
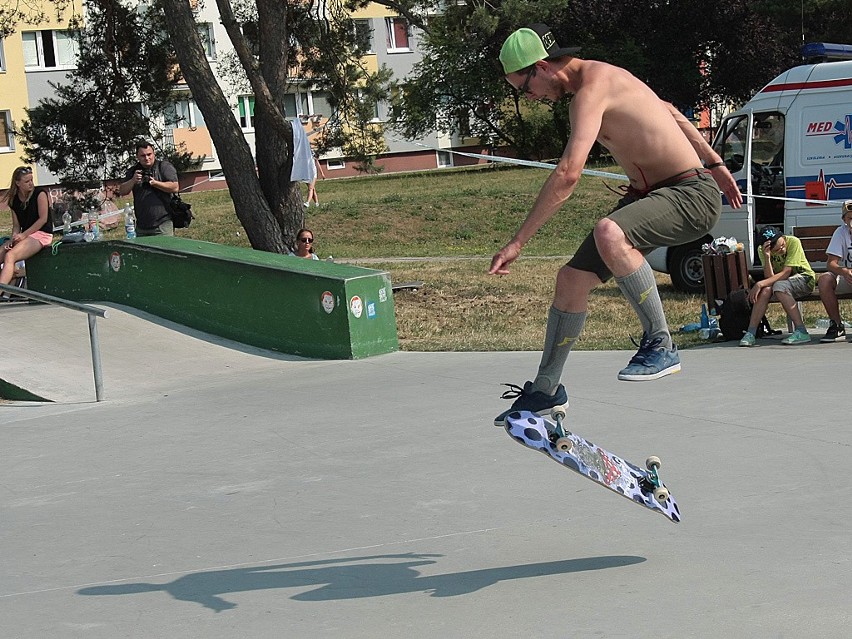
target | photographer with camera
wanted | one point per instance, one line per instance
(153, 182)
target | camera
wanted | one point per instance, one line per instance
(147, 176)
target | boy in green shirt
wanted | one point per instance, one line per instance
(788, 276)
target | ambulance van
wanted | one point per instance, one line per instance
(790, 150)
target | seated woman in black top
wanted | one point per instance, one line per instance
(32, 229)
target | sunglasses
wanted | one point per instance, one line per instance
(24, 170)
(524, 88)
(307, 240)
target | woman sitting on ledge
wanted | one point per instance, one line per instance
(32, 229)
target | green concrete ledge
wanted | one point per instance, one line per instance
(282, 303)
(17, 394)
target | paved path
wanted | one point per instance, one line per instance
(225, 492)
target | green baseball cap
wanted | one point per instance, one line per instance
(527, 46)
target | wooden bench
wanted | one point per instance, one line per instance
(815, 241)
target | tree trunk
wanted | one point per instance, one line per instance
(253, 210)
(274, 151)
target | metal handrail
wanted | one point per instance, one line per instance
(91, 314)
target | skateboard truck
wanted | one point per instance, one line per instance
(560, 437)
(652, 482)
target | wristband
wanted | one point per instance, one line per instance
(715, 165)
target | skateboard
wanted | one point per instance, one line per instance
(640, 485)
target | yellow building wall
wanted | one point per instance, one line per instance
(196, 141)
(373, 10)
(13, 98)
(13, 81)
(371, 63)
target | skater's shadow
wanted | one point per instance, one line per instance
(351, 578)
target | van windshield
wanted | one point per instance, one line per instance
(731, 143)
(767, 149)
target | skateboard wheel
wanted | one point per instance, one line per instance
(653, 463)
(661, 494)
(558, 412)
(564, 445)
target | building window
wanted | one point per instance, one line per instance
(445, 159)
(245, 105)
(2, 57)
(397, 34)
(334, 165)
(291, 110)
(49, 49)
(208, 39)
(371, 105)
(7, 134)
(463, 122)
(184, 114)
(320, 104)
(362, 31)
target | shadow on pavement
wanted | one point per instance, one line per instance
(351, 579)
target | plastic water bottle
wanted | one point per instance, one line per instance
(94, 230)
(825, 322)
(66, 223)
(129, 222)
(89, 236)
(708, 333)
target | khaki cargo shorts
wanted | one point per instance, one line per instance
(680, 213)
(798, 286)
(842, 286)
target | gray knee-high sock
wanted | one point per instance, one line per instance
(640, 289)
(563, 329)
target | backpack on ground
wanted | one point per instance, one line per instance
(734, 315)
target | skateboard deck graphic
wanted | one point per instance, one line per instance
(591, 461)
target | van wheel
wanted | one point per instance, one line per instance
(687, 270)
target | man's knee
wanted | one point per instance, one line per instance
(764, 295)
(827, 282)
(608, 234)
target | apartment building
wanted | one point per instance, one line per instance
(32, 58)
(390, 41)
(37, 55)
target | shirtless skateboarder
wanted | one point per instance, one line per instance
(673, 198)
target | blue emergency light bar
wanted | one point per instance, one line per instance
(826, 52)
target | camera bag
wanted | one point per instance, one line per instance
(181, 211)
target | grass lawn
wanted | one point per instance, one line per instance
(465, 213)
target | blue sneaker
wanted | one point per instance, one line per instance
(527, 398)
(651, 361)
(798, 337)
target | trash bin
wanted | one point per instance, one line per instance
(723, 274)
